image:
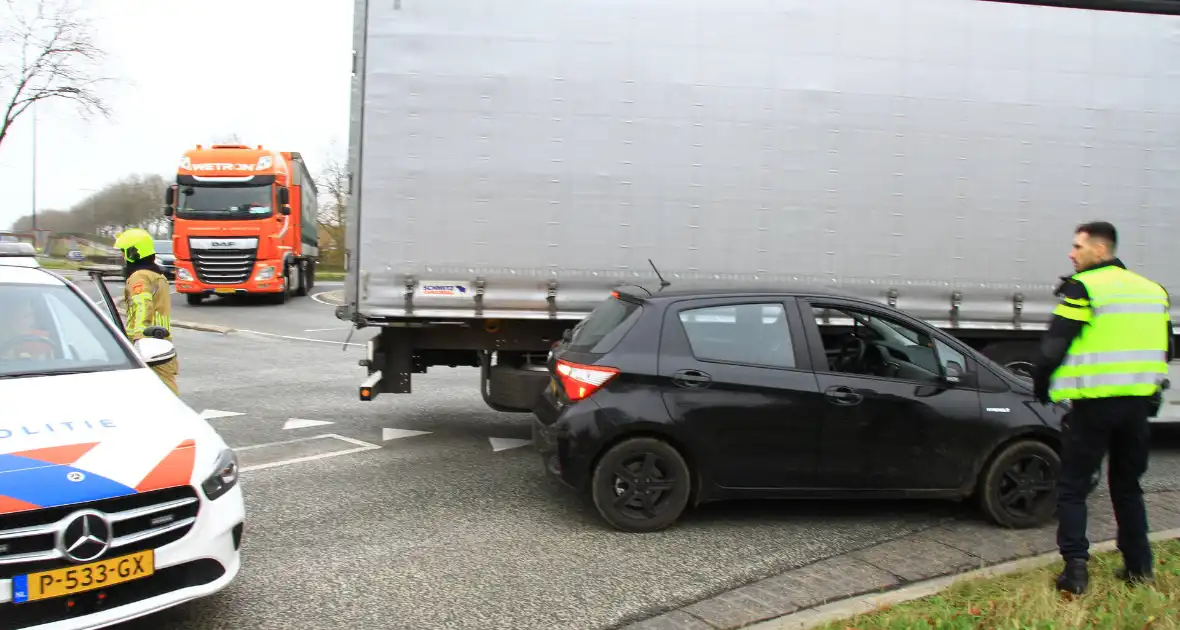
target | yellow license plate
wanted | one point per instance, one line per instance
(225, 290)
(82, 578)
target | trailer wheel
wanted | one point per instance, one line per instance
(1017, 356)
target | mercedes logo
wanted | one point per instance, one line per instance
(87, 537)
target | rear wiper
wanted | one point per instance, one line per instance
(45, 373)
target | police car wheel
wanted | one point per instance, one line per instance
(1018, 487)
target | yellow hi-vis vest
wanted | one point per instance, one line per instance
(1123, 348)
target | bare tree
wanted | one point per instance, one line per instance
(46, 53)
(333, 187)
(134, 201)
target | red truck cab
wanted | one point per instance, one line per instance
(243, 221)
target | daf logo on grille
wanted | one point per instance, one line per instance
(221, 243)
(86, 537)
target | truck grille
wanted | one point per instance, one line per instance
(224, 266)
(149, 520)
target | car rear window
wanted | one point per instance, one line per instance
(605, 326)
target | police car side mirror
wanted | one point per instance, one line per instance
(155, 351)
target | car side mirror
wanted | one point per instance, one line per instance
(155, 351)
(567, 334)
(952, 373)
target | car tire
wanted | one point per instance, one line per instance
(607, 487)
(1029, 467)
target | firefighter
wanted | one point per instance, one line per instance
(147, 295)
(1106, 352)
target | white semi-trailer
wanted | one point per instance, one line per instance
(512, 162)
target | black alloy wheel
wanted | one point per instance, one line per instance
(1018, 488)
(641, 485)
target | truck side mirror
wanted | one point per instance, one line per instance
(285, 210)
(169, 200)
(284, 196)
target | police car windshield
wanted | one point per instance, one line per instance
(48, 330)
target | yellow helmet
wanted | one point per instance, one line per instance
(136, 244)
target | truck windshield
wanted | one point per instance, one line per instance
(238, 202)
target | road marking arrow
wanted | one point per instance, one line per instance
(299, 423)
(503, 444)
(210, 414)
(395, 434)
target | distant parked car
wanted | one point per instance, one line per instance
(165, 258)
(75, 255)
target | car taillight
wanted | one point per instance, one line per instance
(580, 381)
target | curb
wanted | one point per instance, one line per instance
(224, 330)
(857, 605)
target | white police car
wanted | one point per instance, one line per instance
(16, 254)
(116, 498)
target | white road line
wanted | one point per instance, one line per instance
(316, 297)
(364, 446)
(358, 345)
(325, 329)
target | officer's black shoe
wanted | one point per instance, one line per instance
(1074, 578)
(1134, 578)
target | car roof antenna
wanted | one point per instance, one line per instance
(663, 282)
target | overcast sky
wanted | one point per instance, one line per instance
(276, 72)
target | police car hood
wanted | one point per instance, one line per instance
(85, 437)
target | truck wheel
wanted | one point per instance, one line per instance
(301, 291)
(309, 278)
(193, 299)
(281, 296)
(641, 485)
(1018, 487)
(1017, 356)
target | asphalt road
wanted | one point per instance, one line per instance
(363, 523)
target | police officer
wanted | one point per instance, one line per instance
(1107, 352)
(147, 295)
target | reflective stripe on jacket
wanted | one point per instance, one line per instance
(148, 298)
(1123, 347)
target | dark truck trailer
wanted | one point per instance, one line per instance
(511, 163)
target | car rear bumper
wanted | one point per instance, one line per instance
(202, 563)
(559, 449)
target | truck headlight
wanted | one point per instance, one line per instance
(266, 273)
(183, 274)
(224, 477)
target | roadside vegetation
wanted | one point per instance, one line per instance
(1028, 600)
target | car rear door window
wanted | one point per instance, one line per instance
(605, 326)
(749, 334)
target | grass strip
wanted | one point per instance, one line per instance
(1029, 600)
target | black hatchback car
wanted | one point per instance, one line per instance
(661, 401)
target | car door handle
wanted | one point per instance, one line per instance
(691, 378)
(842, 395)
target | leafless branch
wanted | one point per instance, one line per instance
(333, 186)
(47, 53)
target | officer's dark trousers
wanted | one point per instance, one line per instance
(1095, 426)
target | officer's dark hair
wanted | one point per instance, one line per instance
(1101, 230)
